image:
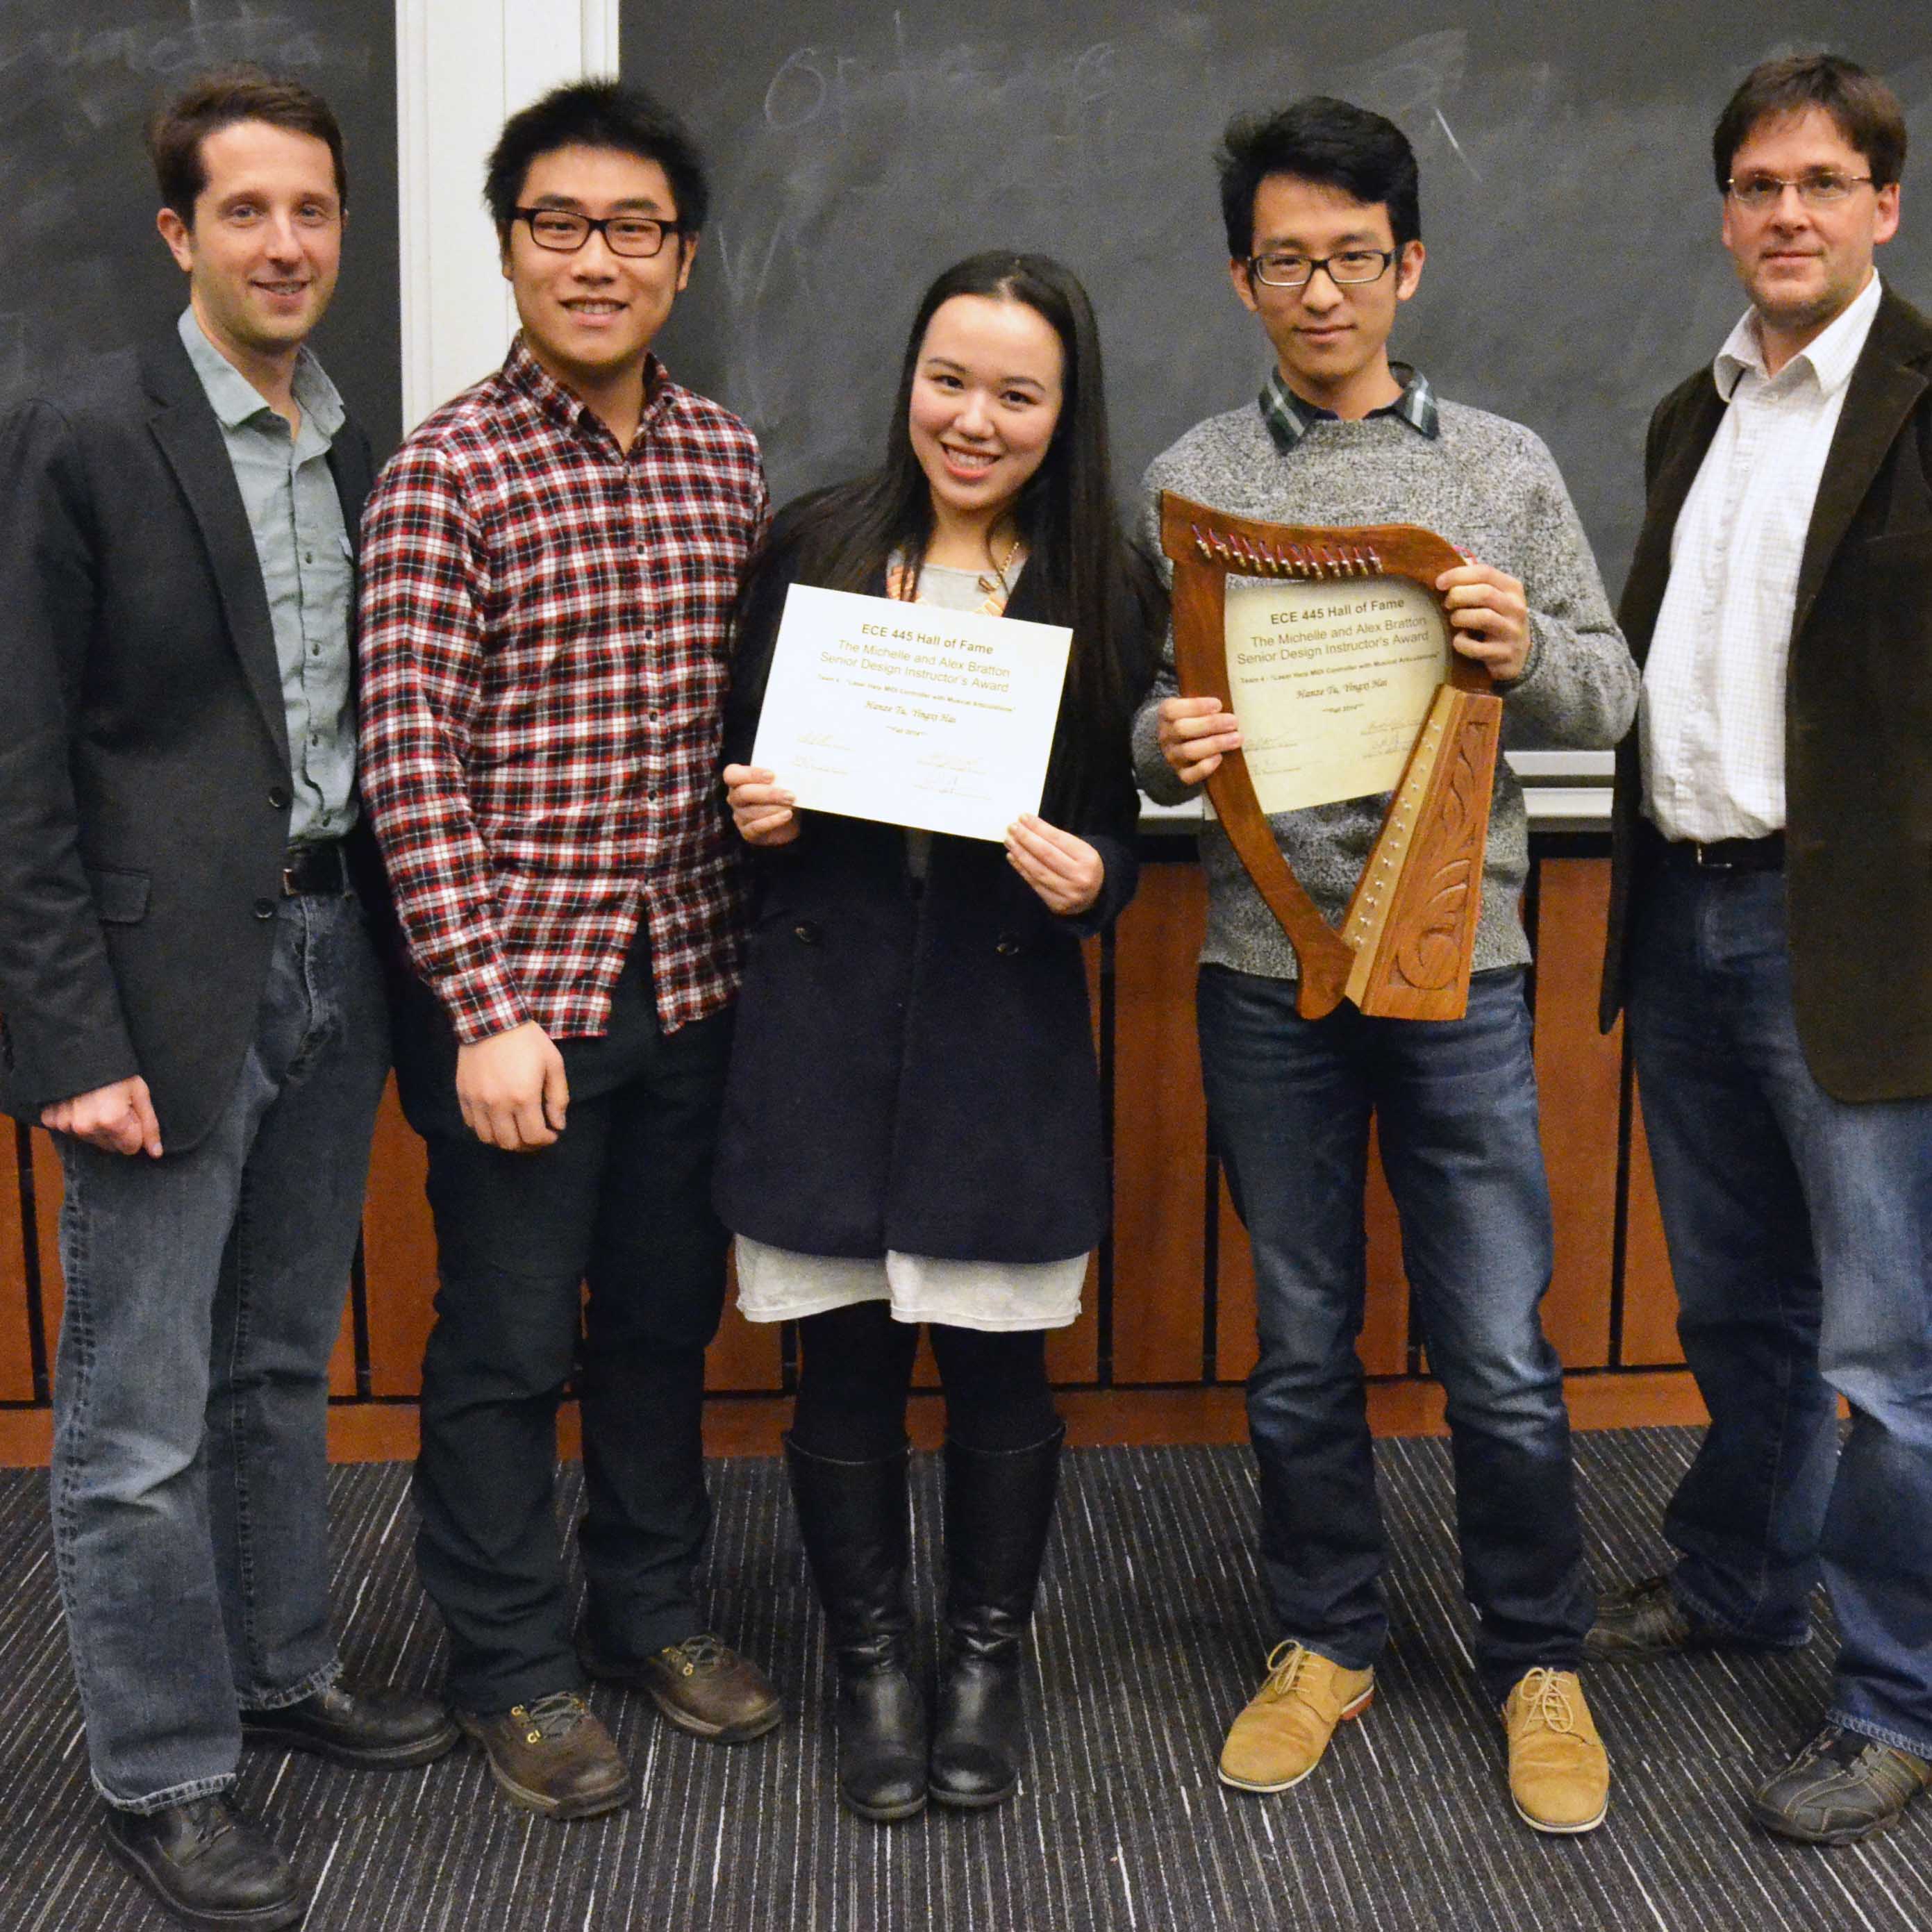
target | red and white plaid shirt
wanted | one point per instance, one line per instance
(543, 670)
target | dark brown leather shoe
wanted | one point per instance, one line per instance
(1644, 1619)
(207, 1865)
(702, 1685)
(552, 1755)
(1841, 1787)
(376, 1729)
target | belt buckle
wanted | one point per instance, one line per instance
(290, 889)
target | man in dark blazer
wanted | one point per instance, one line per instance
(192, 1001)
(1771, 927)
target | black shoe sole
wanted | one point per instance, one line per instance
(883, 1814)
(972, 1801)
(1779, 1827)
(1695, 1646)
(253, 1918)
(393, 1757)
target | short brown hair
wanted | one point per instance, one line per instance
(1867, 111)
(217, 100)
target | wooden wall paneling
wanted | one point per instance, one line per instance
(1649, 1338)
(1160, 1132)
(399, 1254)
(1578, 1072)
(342, 1361)
(16, 1354)
(1073, 1353)
(50, 1189)
(744, 1355)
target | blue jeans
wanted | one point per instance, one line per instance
(1289, 1101)
(1800, 1231)
(204, 1291)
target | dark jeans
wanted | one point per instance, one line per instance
(1800, 1230)
(1289, 1100)
(856, 1374)
(204, 1292)
(620, 1203)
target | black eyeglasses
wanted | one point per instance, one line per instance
(1351, 267)
(636, 237)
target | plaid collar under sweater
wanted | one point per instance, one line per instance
(1290, 417)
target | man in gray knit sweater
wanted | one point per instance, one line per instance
(1321, 203)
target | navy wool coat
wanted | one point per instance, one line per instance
(913, 1069)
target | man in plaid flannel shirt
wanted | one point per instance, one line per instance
(548, 565)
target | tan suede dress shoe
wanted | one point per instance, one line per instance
(1279, 1738)
(1559, 1773)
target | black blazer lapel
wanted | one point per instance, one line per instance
(1885, 389)
(1689, 440)
(189, 438)
(349, 464)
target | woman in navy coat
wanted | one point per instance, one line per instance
(913, 1127)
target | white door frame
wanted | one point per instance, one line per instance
(462, 67)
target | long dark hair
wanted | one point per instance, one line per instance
(1083, 572)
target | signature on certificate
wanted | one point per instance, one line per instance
(822, 752)
(951, 775)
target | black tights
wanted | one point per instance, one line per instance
(857, 1372)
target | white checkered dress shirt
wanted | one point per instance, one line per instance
(1712, 714)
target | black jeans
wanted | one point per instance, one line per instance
(621, 1203)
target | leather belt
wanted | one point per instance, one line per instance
(318, 866)
(1725, 855)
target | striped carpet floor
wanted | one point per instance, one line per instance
(1150, 1634)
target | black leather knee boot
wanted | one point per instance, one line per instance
(853, 1517)
(999, 1508)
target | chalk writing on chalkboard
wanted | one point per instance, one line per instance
(1574, 274)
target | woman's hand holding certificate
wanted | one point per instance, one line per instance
(761, 808)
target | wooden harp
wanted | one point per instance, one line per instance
(1404, 947)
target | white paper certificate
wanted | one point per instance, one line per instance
(938, 719)
(1331, 682)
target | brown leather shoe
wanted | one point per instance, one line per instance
(1643, 1620)
(1839, 1788)
(702, 1685)
(552, 1755)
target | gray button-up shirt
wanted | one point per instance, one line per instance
(288, 492)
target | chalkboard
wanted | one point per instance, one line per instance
(84, 270)
(1574, 273)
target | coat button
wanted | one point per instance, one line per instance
(278, 797)
(265, 908)
(1005, 945)
(805, 933)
